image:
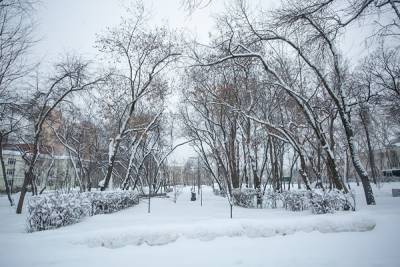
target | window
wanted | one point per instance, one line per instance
(10, 172)
(11, 161)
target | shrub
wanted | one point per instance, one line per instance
(244, 197)
(329, 201)
(49, 211)
(318, 201)
(109, 202)
(169, 189)
(295, 200)
(218, 192)
(271, 198)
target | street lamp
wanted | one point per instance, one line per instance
(193, 190)
(201, 195)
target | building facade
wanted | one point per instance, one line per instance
(53, 170)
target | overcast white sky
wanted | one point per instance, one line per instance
(70, 26)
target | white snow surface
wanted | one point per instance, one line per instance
(186, 234)
(206, 231)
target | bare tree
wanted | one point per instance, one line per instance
(69, 77)
(192, 5)
(15, 40)
(330, 76)
(141, 55)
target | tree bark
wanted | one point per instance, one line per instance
(27, 180)
(369, 195)
(365, 119)
(115, 146)
(3, 168)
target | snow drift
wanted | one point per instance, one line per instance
(164, 234)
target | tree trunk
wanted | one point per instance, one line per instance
(365, 119)
(29, 175)
(369, 195)
(303, 172)
(114, 145)
(232, 158)
(3, 168)
(27, 180)
(107, 178)
(332, 170)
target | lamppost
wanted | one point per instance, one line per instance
(193, 190)
(201, 195)
(199, 185)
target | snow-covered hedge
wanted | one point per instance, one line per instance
(318, 201)
(244, 197)
(295, 200)
(271, 198)
(109, 202)
(50, 211)
(218, 192)
(330, 201)
(169, 189)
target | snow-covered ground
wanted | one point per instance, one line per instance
(186, 234)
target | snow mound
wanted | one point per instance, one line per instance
(157, 235)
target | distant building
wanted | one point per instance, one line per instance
(15, 166)
(388, 159)
(54, 165)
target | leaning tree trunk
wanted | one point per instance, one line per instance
(113, 147)
(334, 174)
(365, 119)
(369, 195)
(371, 158)
(303, 172)
(28, 177)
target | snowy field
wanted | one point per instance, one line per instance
(186, 234)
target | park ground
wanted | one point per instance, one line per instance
(188, 234)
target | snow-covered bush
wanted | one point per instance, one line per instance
(271, 198)
(55, 210)
(169, 190)
(244, 197)
(318, 201)
(50, 211)
(218, 192)
(112, 201)
(295, 200)
(329, 201)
